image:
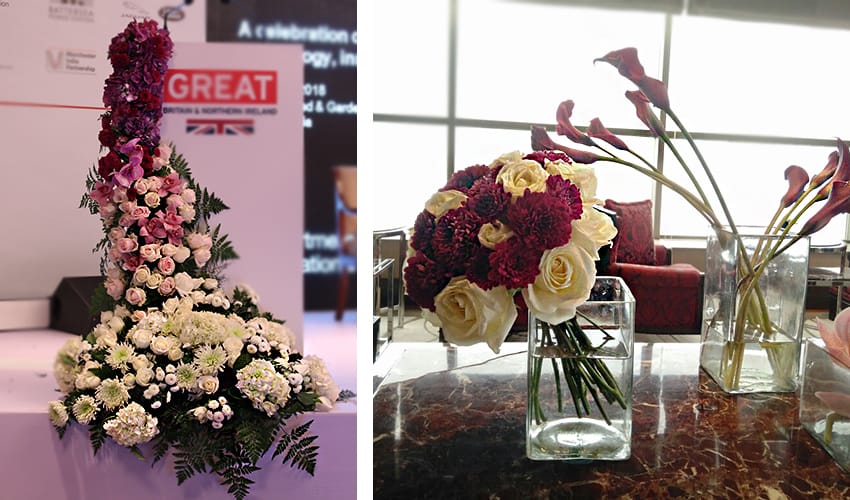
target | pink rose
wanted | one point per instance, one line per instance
(171, 184)
(168, 250)
(201, 255)
(113, 254)
(135, 296)
(167, 286)
(141, 186)
(131, 261)
(194, 240)
(166, 265)
(101, 192)
(152, 200)
(188, 196)
(175, 236)
(153, 230)
(174, 201)
(139, 213)
(119, 195)
(149, 252)
(107, 210)
(126, 221)
(116, 233)
(154, 184)
(162, 154)
(171, 219)
(127, 206)
(114, 288)
(187, 212)
(127, 245)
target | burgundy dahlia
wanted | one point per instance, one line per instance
(488, 199)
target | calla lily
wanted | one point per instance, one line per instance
(597, 130)
(627, 63)
(540, 141)
(644, 113)
(565, 128)
(838, 202)
(797, 178)
(836, 336)
(827, 172)
(842, 173)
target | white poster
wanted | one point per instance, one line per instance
(234, 110)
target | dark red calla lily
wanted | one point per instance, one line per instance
(540, 141)
(644, 112)
(566, 128)
(838, 202)
(827, 172)
(842, 173)
(627, 63)
(597, 130)
(797, 178)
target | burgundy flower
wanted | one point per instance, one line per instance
(423, 232)
(596, 129)
(797, 178)
(565, 128)
(488, 199)
(541, 220)
(513, 264)
(478, 270)
(424, 279)
(541, 156)
(540, 140)
(644, 113)
(627, 64)
(838, 202)
(565, 190)
(108, 165)
(842, 171)
(456, 238)
(828, 170)
(463, 179)
(107, 137)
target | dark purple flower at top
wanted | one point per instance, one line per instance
(462, 180)
(541, 221)
(797, 178)
(423, 233)
(424, 279)
(541, 157)
(627, 64)
(513, 264)
(644, 113)
(596, 129)
(488, 199)
(456, 239)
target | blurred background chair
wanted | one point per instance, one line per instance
(668, 297)
(835, 280)
(345, 196)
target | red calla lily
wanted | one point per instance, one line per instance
(597, 130)
(565, 128)
(644, 112)
(540, 141)
(627, 63)
(828, 170)
(797, 178)
(838, 202)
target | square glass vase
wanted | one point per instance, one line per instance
(580, 379)
(825, 402)
(752, 329)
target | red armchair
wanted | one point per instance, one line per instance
(668, 297)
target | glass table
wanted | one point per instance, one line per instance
(450, 423)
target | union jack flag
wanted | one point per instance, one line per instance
(207, 126)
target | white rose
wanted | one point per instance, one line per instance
(443, 201)
(181, 254)
(116, 324)
(167, 250)
(470, 315)
(185, 283)
(567, 274)
(154, 281)
(150, 252)
(140, 361)
(583, 176)
(87, 380)
(161, 345)
(493, 233)
(140, 277)
(144, 376)
(108, 339)
(171, 304)
(142, 338)
(593, 231)
(135, 296)
(152, 200)
(187, 212)
(516, 177)
(208, 383)
(188, 195)
(210, 283)
(512, 157)
(175, 353)
(138, 315)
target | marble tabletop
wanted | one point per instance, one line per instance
(450, 423)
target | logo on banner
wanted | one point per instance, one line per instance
(220, 100)
(206, 126)
(74, 61)
(71, 10)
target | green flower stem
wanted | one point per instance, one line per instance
(547, 338)
(685, 167)
(827, 432)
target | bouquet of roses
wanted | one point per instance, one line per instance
(175, 359)
(522, 223)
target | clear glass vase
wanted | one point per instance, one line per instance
(580, 379)
(825, 402)
(752, 330)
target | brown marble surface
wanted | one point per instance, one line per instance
(450, 423)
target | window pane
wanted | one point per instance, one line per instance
(758, 78)
(409, 166)
(517, 61)
(751, 178)
(411, 58)
(482, 146)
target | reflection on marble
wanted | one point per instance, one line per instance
(459, 432)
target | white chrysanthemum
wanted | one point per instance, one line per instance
(263, 385)
(187, 376)
(57, 413)
(112, 393)
(203, 327)
(132, 425)
(66, 365)
(85, 408)
(321, 382)
(209, 359)
(120, 355)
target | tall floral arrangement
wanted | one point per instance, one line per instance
(523, 223)
(780, 233)
(176, 360)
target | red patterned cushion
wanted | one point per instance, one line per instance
(634, 243)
